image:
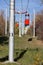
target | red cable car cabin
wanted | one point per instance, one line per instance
(27, 21)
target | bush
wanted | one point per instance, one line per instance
(39, 26)
(2, 23)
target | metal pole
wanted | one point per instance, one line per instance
(6, 23)
(34, 24)
(11, 31)
(20, 25)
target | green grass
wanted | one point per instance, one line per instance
(21, 44)
(29, 56)
(8, 64)
(3, 51)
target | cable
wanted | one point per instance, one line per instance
(21, 5)
(1, 5)
(6, 2)
(27, 5)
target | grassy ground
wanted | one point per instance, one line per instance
(26, 52)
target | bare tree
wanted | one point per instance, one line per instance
(39, 25)
(2, 23)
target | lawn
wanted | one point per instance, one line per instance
(26, 52)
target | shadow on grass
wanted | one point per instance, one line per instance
(21, 55)
(2, 39)
(16, 59)
(30, 39)
(4, 59)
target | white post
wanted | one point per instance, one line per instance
(34, 24)
(6, 22)
(11, 31)
(30, 19)
(20, 25)
(23, 28)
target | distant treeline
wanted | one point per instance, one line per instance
(38, 25)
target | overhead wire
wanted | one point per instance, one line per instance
(21, 5)
(27, 5)
(1, 5)
(6, 2)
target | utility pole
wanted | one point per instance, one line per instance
(11, 30)
(23, 24)
(21, 30)
(6, 22)
(34, 24)
(20, 25)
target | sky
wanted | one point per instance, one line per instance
(32, 4)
